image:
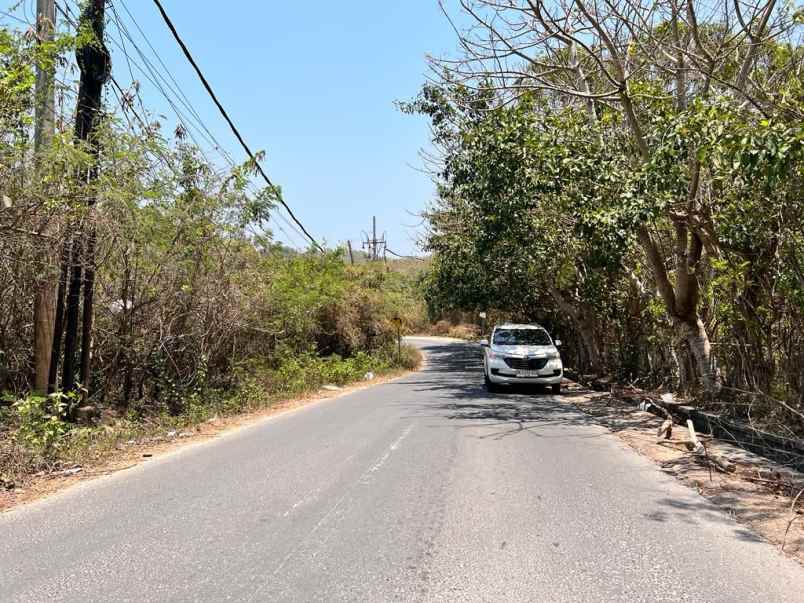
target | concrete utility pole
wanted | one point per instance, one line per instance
(45, 78)
(45, 115)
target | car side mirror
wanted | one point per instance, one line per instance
(484, 343)
(558, 343)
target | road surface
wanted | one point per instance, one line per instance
(423, 489)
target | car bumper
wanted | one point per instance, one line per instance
(501, 378)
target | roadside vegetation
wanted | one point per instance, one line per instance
(630, 175)
(189, 307)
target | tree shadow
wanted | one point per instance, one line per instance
(699, 513)
(453, 382)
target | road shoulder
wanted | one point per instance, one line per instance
(156, 446)
(755, 494)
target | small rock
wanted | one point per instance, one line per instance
(368, 376)
(73, 471)
(667, 398)
(172, 434)
(185, 434)
(332, 388)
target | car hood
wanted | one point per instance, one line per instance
(536, 351)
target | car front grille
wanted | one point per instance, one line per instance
(526, 364)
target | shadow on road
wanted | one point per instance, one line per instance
(453, 380)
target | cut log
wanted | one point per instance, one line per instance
(696, 443)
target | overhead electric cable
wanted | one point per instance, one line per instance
(119, 93)
(176, 87)
(156, 79)
(151, 74)
(15, 18)
(191, 121)
(184, 100)
(405, 257)
(234, 129)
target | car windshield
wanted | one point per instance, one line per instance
(521, 337)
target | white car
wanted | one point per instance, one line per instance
(522, 353)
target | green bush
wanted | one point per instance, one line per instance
(42, 422)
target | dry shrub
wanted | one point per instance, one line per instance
(464, 332)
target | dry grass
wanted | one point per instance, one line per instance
(444, 328)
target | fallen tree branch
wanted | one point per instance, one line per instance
(795, 515)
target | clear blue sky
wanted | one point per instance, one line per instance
(313, 84)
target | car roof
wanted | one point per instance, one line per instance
(512, 325)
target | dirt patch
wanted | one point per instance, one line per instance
(758, 493)
(135, 452)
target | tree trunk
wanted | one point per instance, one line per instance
(94, 63)
(71, 315)
(681, 302)
(584, 325)
(58, 323)
(88, 311)
(589, 336)
(694, 334)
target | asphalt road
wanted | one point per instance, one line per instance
(424, 489)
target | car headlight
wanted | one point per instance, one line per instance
(554, 363)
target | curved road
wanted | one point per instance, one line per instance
(423, 489)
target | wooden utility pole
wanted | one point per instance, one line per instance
(351, 254)
(94, 63)
(45, 116)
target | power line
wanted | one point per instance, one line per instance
(152, 74)
(186, 101)
(234, 129)
(119, 93)
(405, 257)
(157, 79)
(174, 87)
(15, 18)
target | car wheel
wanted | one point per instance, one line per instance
(556, 388)
(490, 386)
